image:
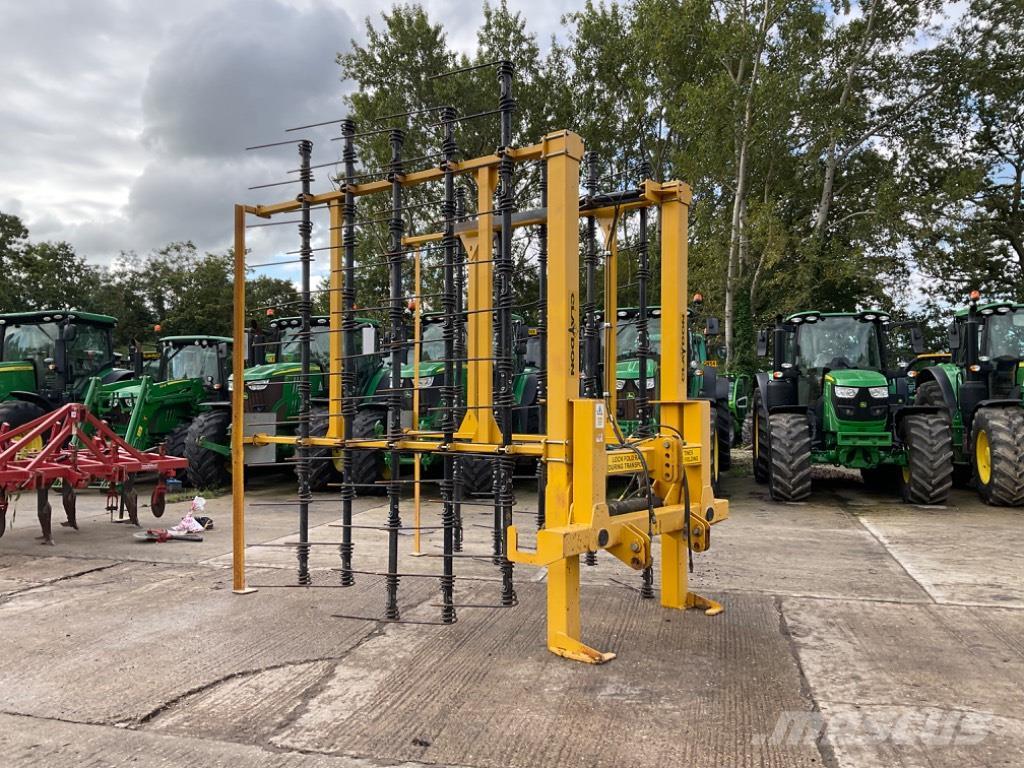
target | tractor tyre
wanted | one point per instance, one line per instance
(928, 475)
(789, 448)
(206, 467)
(174, 445)
(477, 476)
(368, 465)
(747, 432)
(760, 443)
(998, 442)
(724, 428)
(884, 478)
(322, 472)
(14, 413)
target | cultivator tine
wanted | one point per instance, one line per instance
(396, 313)
(70, 500)
(348, 340)
(303, 385)
(131, 500)
(45, 513)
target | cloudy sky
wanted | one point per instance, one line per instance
(124, 121)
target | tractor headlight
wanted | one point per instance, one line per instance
(650, 383)
(256, 386)
(846, 393)
(879, 393)
(620, 384)
(424, 382)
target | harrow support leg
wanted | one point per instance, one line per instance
(70, 500)
(131, 500)
(3, 512)
(45, 513)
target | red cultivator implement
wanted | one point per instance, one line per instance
(73, 446)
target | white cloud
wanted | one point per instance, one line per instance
(125, 121)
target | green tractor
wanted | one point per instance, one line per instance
(272, 402)
(703, 381)
(981, 389)
(830, 399)
(48, 358)
(189, 378)
(370, 422)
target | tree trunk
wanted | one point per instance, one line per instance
(832, 154)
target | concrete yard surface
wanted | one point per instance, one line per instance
(858, 632)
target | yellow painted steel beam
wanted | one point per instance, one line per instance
(238, 583)
(479, 419)
(336, 424)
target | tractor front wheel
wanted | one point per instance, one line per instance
(928, 474)
(724, 427)
(477, 476)
(174, 445)
(759, 433)
(998, 438)
(208, 468)
(789, 446)
(322, 471)
(367, 466)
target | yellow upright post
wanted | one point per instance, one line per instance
(238, 584)
(480, 368)
(336, 425)
(562, 152)
(691, 419)
(417, 335)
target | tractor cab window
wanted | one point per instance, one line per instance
(1004, 336)
(319, 346)
(837, 342)
(190, 361)
(432, 341)
(30, 342)
(87, 354)
(627, 338)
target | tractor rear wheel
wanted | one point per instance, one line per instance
(789, 445)
(368, 465)
(759, 432)
(14, 413)
(206, 467)
(174, 445)
(322, 471)
(998, 441)
(928, 475)
(724, 428)
(477, 476)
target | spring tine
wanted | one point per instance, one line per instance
(274, 144)
(469, 68)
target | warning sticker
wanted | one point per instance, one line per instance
(622, 462)
(691, 455)
(599, 416)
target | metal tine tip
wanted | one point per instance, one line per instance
(469, 68)
(374, 132)
(410, 113)
(465, 118)
(273, 223)
(318, 165)
(275, 144)
(315, 125)
(276, 184)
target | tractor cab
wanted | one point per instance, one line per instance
(202, 358)
(832, 363)
(48, 357)
(987, 341)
